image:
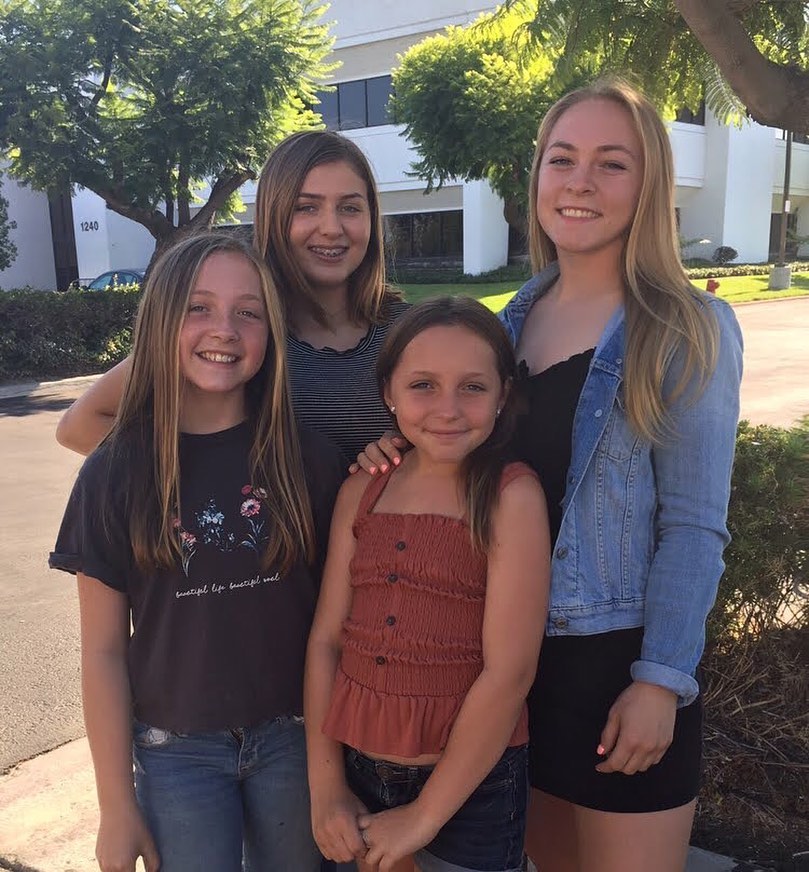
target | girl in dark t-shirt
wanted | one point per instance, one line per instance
(198, 519)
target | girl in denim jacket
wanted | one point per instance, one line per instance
(632, 384)
(632, 378)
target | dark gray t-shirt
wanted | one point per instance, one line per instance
(217, 642)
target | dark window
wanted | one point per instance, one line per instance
(379, 91)
(353, 113)
(362, 103)
(688, 116)
(425, 235)
(329, 109)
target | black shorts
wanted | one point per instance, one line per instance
(578, 680)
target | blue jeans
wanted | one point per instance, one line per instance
(228, 800)
(487, 831)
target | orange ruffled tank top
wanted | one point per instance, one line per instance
(412, 643)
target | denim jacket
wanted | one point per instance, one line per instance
(644, 526)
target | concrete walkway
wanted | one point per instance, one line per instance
(49, 818)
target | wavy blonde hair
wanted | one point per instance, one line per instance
(664, 312)
(144, 442)
(279, 185)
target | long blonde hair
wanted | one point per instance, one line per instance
(664, 312)
(279, 185)
(144, 443)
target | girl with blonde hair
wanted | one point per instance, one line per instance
(198, 519)
(632, 380)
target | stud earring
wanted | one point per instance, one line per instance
(393, 410)
(497, 413)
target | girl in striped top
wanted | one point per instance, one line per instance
(318, 226)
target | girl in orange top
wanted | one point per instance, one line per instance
(425, 639)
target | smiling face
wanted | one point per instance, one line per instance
(589, 179)
(224, 334)
(447, 391)
(331, 225)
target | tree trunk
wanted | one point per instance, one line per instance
(775, 95)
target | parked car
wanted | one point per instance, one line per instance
(111, 279)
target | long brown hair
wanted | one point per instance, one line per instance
(482, 468)
(279, 185)
(664, 312)
(144, 442)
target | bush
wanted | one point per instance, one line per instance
(768, 519)
(724, 254)
(755, 672)
(47, 335)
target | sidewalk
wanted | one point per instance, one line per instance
(48, 817)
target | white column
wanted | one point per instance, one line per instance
(485, 231)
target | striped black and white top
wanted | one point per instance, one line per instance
(335, 392)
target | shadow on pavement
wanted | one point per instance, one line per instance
(19, 407)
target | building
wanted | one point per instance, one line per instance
(729, 180)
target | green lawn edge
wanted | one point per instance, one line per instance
(734, 289)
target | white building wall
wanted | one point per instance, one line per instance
(92, 236)
(34, 264)
(485, 231)
(130, 244)
(106, 240)
(733, 205)
(728, 179)
(363, 21)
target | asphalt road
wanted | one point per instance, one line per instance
(40, 705)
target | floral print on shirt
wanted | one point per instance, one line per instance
(213, 531)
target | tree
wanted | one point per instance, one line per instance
(750, 55)
(8, 250)
(141, 100)
(471, 108)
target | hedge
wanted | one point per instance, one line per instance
(48, 335)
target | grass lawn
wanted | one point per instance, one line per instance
(734, 289)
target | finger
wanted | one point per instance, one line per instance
(365, 462)
(617, 759)
(377, 453)
(609, 735)
(352, 837)
(364, 820)
(390, 453)
(355, 467)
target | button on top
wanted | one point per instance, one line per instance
(561, 552)
(393, 577)
(380, 660)
(390, 620)
(400, 546)
(560, 623)
(598, 413)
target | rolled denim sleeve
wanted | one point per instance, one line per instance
(692, 470)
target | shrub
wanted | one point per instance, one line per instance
(755, 673)
(47, 335)
(724, 254)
